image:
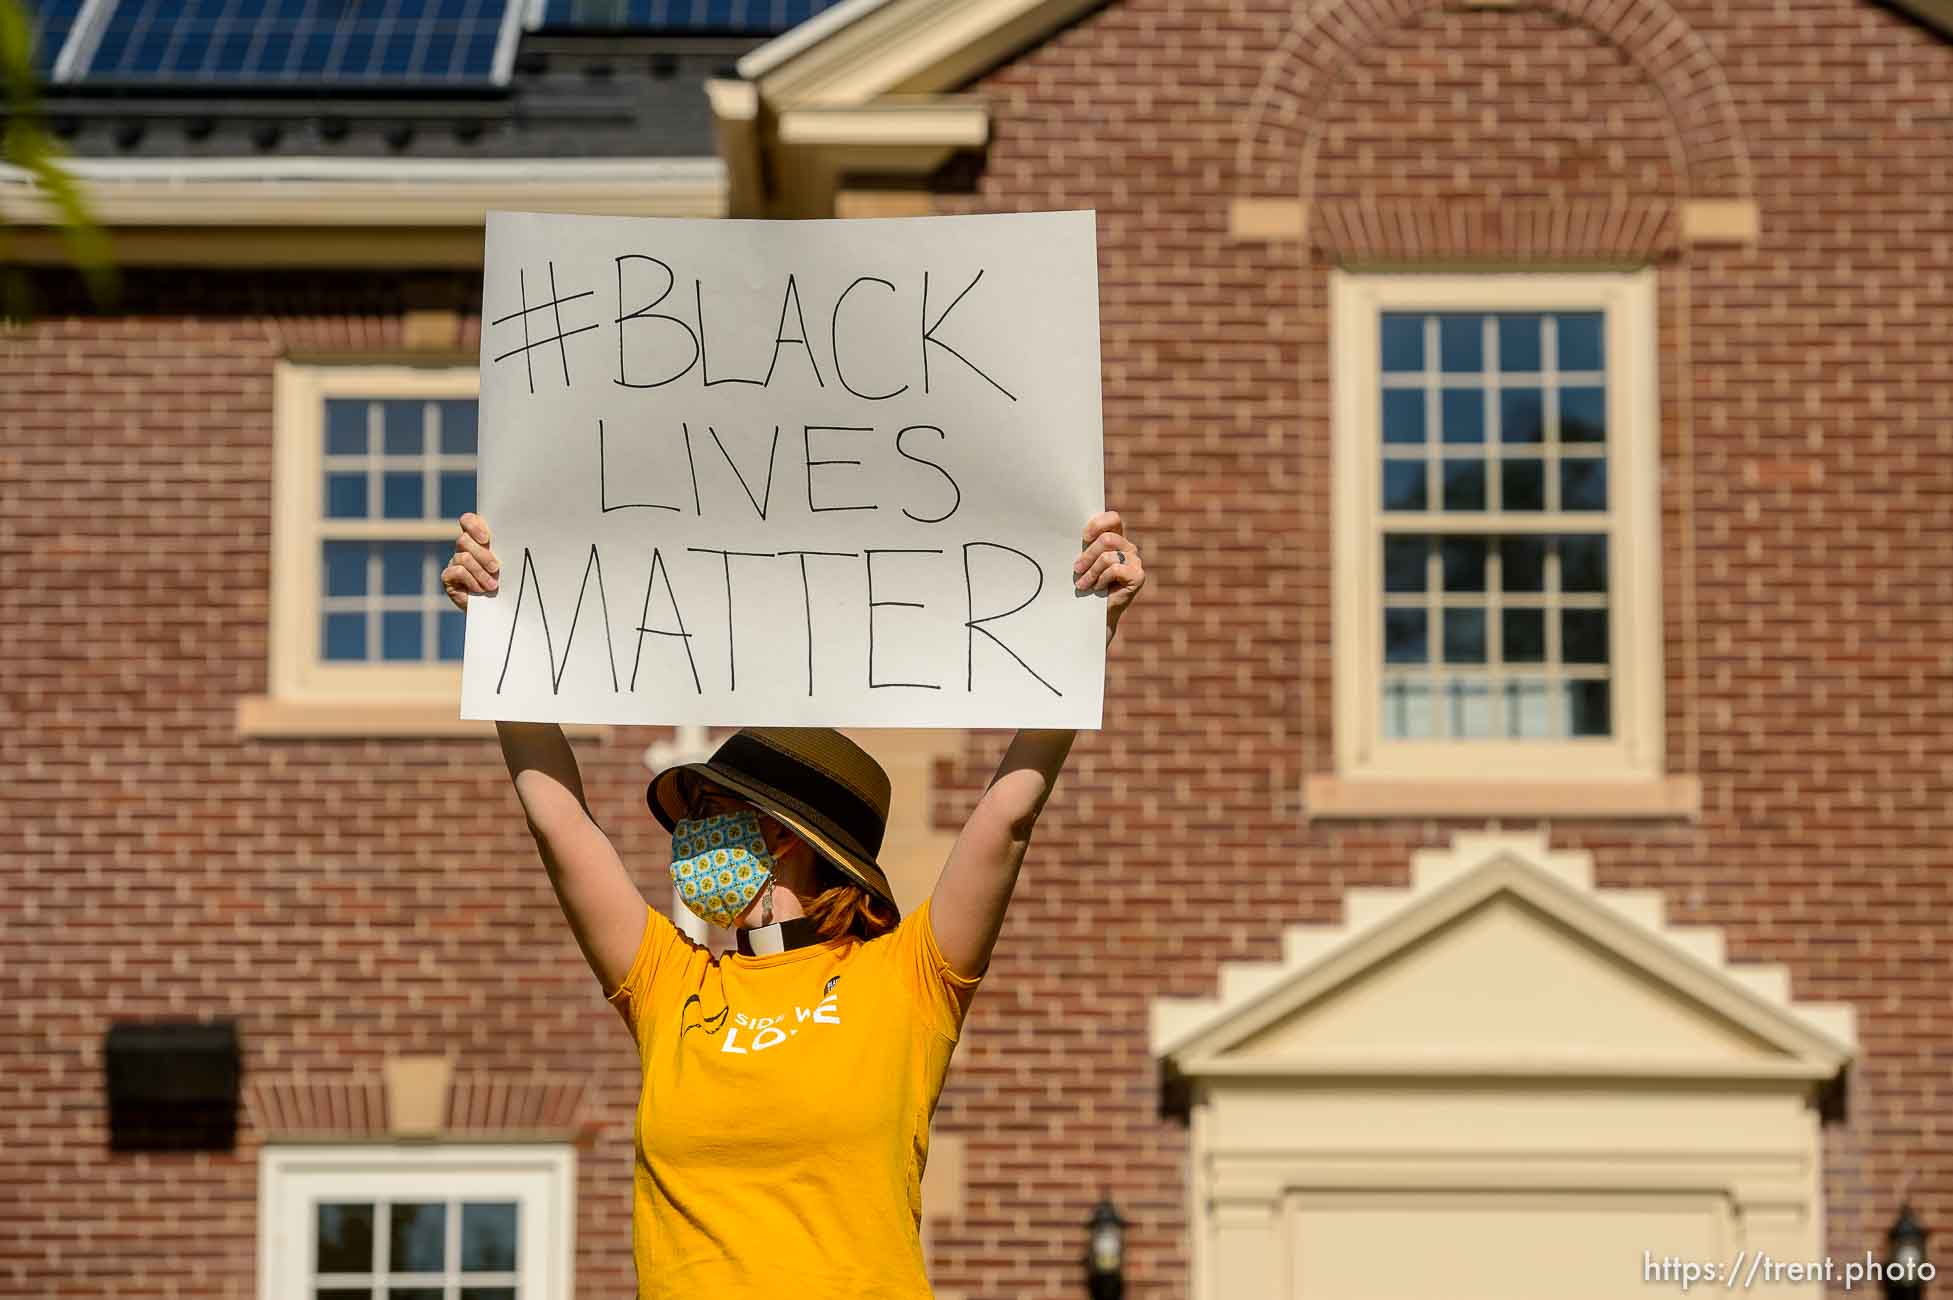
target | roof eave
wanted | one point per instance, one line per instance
(180, 192)
(340, 212)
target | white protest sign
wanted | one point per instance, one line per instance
(821, 473)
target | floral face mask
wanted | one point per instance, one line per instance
(720, 864)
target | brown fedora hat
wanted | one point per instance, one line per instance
(821, 785)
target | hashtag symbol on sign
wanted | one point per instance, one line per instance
(555, 307)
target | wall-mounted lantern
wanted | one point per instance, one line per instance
(1105, 1255)
(1907, 1270)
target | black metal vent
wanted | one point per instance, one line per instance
(172, 1085)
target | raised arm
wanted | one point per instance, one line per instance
(967, 908)
(604, 908)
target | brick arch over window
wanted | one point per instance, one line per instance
(1312, 57)
(1462, 135)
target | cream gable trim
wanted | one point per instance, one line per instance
(943, 124)
(816, 149)
(863, 89)
(1195, 1036)
(804, 36)
(868, 48)
(1403, 1072)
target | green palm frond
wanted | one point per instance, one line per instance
(27, 145)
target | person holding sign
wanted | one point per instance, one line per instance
(787, 1087)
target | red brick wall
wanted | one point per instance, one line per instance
(343, 900)
(1808, 563)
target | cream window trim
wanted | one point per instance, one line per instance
(1328, 797)
(293, 1178)
(266, 718)
(298, 676)
(1373, 774)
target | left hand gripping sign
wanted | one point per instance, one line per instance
(824, 473)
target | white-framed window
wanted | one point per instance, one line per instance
(373, 465)
(417, 1222)
(1497, 605)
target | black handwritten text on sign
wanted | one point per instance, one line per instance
(814, 472)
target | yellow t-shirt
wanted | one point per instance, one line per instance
(783, 1120)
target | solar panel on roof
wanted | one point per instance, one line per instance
(396, 42)
(48, 24)
(751, 17)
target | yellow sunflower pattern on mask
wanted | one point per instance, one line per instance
(720, 864)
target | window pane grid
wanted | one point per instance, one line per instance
(1493, 438)
(1414, 524)
(482, 1232)
(378, 481)
(1470, 452)
(348, 464)
(382, 600)
(393, 471)
(1438, 685)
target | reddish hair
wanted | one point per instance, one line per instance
(841, 907)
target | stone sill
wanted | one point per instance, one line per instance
(270, 718)
(1328, 797)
